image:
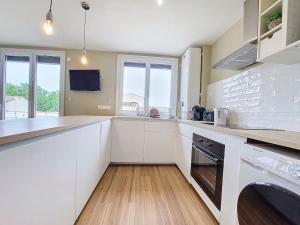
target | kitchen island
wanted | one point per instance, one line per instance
(50, 167)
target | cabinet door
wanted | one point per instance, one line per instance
(128, 141)
(159, 147)
(185, 156)
(184, 80)
(38, 181)
(160, 142)
(88, 163)
(105, 145)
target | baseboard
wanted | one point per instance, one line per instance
(141, 164)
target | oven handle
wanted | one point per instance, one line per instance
(207, 154)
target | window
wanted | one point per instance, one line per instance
(145, 83)
(47, 86)
(31, 83)
(16, 86)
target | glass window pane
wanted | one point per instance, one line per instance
(160, 88)
(17, 87)
(47, 89)
(134, 86)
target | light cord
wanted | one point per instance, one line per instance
(84, 38)
(50, 5)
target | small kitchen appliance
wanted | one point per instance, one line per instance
(208, 116)
(221, 116)
(198, 112)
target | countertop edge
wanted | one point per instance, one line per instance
(273, 137)
(25, 135)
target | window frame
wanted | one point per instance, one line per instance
(148, 60)
(32, 54)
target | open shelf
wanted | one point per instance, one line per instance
(276, 7)
(271, 32)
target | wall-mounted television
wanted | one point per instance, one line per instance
(85, 80)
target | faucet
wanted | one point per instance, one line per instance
(137, 107)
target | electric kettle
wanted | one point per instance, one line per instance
(220, 116)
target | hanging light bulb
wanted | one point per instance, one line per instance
(160, 2)
(48, 25)
(83, 58)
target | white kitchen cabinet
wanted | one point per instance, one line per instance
(251, 14)
(190, 81)
(186, 130)
(89, 169)
(230, 191)
(38, 181)
(128, 141)
(184, 155)
(105, 145)
(159, 142)
(281, 44)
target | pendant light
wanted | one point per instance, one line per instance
(48, 25)
(84, 59)
(160, 2)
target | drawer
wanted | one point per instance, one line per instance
(161, 126)
(272, 45)
(186, 130)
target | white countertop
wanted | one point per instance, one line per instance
(288, 139)
(22, 129)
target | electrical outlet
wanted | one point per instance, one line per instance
(105, 107)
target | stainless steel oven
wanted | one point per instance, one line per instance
(207, 167)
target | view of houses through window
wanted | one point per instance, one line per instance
(19, 87)
(134, 86)
(47, 88)
(148, 83)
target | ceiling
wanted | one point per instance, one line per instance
(140, 26)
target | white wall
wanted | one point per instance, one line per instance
(266, 96)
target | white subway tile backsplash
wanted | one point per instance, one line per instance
(265, 96)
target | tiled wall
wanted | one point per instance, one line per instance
(265, 96)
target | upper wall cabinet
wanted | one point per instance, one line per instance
(279, 31)
(251, 20)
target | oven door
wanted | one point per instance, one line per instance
(207, 171)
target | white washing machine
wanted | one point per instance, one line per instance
(269, 186)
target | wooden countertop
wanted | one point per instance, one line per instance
(22, 129)
(288, 139)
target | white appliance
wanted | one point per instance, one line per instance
(190, 81)
(269, 186)
(220, 116)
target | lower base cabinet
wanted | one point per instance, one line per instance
(48, 180)
(139, 141)
(184, 155)
(37, 181)
(88, 164)
(105, 145)
(128, 141)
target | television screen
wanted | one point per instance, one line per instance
(85, 80)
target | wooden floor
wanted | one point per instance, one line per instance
(145, 195)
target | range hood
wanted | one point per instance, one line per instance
(240, 59)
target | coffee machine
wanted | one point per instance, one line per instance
(198, 112)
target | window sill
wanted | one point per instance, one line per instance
(144, 118)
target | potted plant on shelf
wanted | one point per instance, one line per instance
(274, 20)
